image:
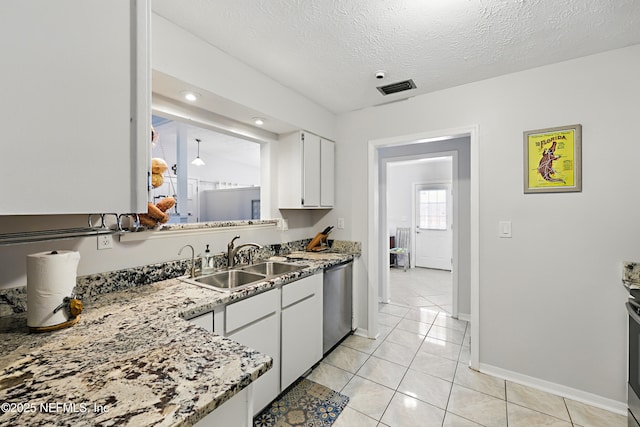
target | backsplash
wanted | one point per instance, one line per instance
(14, 300)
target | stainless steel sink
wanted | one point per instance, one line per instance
(227, 280)
(271, 268)
(241, 276)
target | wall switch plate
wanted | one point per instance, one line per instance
(340, 222)
(504, 229)
(283, 224)
(105, 241)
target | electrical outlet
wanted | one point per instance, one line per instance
(340, 222)
(105, 241)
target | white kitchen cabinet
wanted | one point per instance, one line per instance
(75, 110)
(255, 322)
(306, 171)
(234, 412)
(301, 327)
(205, 321)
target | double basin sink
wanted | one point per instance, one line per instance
(228, 280)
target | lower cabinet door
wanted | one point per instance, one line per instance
(263, 337)
(234, 412)
(301, 335)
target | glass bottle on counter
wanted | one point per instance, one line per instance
(207, 261)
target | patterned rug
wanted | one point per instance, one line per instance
(304, 404)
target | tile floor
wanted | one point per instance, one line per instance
(416, 373)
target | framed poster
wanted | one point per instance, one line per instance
(553, 160)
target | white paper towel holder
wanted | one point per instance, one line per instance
(49, 278)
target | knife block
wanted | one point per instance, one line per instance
(318, 243)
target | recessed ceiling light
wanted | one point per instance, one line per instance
(259, 121)
(190, 96)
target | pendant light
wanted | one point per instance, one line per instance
(198, 161)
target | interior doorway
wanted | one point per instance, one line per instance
(424, 171)
(462, 144)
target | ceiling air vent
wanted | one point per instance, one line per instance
(397, 87)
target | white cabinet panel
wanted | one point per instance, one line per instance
(205, 321)
(75, 110)
(251, 309)
(255, 322)
(234, 412)
(301, 331)
(310, 170)
(263, 336)
(327, 172)
(305, 172)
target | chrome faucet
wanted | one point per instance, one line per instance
(192, 270)
(232, 251)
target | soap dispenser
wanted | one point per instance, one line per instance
(207, 261)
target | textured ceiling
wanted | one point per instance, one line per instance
(329, 50)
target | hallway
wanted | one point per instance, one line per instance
(416, 372)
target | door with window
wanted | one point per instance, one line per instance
(434, 236)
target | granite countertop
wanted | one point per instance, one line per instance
(132, 359)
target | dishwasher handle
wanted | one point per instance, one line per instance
(339, 266)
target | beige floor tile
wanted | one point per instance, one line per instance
(330, 376)
(441, 348)
(446, 334)
(590, 416)
(393, 309)
(422, 314)
(477, 381)
(478, 407)
(447, 308)
(414, 326)
(519, 416)
(363, 344)
(436, 366)
(538, 400)
(405, 338)
(447, 321)
(388, 319)
(396, 353)
(452, 420)
(383, 332)
(465, 355)
(441, 300)
(383, 372)
(351, 418)
(367, 397)
(426, 388)
(406, 411)
(346, 358)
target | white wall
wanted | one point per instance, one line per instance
(551, 302)
(182, 55)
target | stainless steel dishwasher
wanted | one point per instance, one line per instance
(337, 304)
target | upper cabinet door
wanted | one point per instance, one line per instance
(327, 172)
(75, 110)
(310, 170)
(305, 171)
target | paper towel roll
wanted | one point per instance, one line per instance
(51, 276)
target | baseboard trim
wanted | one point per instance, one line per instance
(464, 316)
(557, 389)
(363, 333)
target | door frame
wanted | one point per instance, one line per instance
(378, 239)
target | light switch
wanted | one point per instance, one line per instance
(504, 229)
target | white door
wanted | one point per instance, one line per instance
(434, 237)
